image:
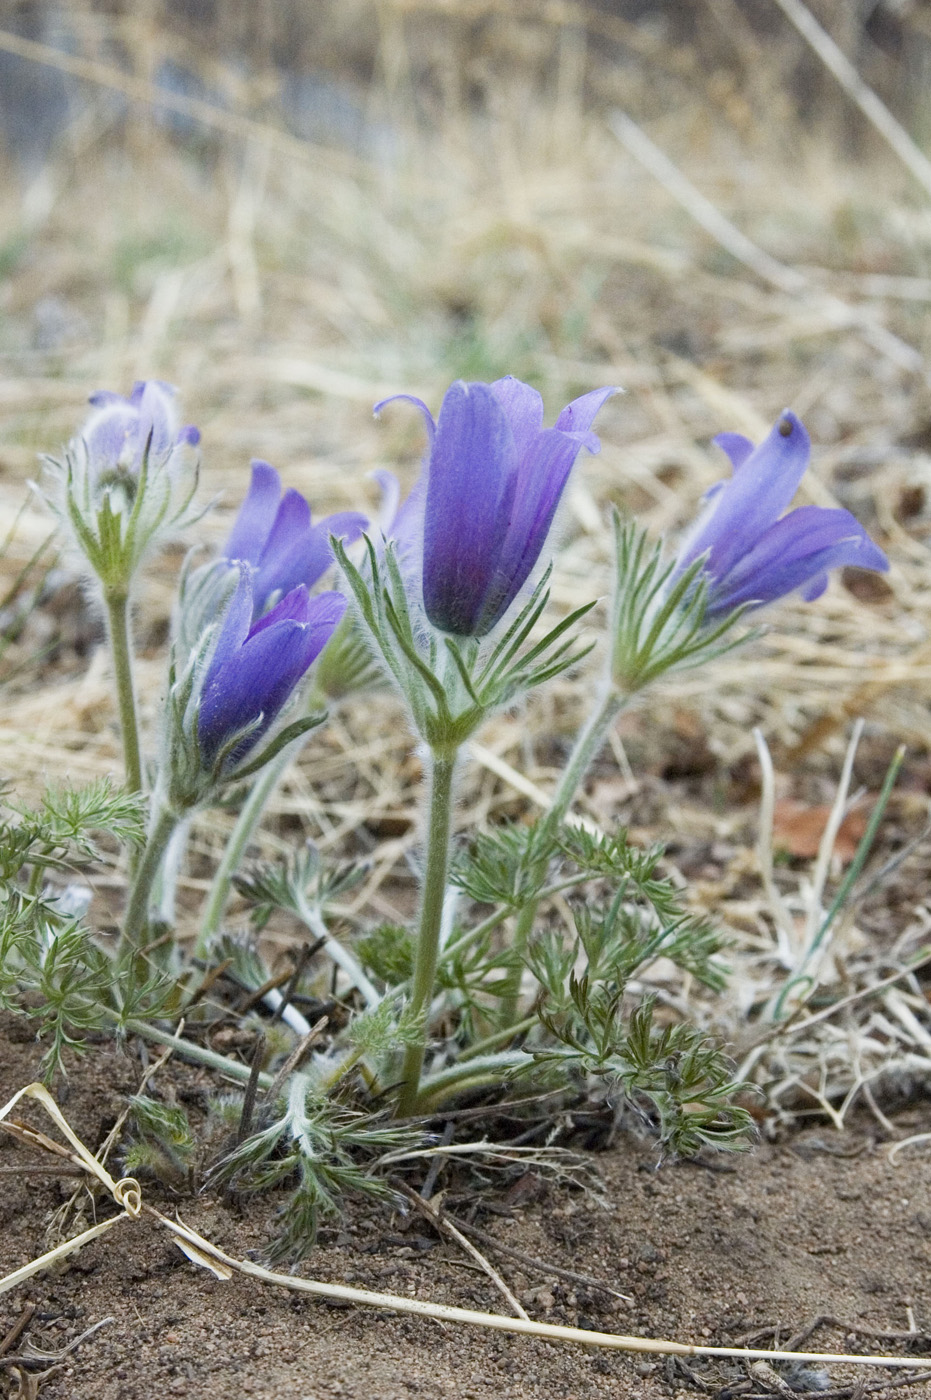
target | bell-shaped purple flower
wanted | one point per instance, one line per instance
(256, 665)
(494, 478)
(120, 430)
(755, 553)
(275, 535)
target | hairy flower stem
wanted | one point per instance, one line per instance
(587, 747)
(117, 603)
(199, 1054)
(431, 916)
(249, 817)
(137, 910)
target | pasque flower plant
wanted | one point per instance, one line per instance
(464, 546)
(125, 480)
(450, 595)
(248, 631)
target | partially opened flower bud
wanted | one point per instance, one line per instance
(126, 480)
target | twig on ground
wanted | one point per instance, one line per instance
(444, 1225)
(295, 1059)
(252, 1088)
(529, 1261)
(438, 1163)
(18, 1328)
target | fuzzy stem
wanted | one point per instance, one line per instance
(343, 958)
(587, 746)
(249, 817)
(431, 917)
(501, 1037)
(242, 833)
(137, 910)
(199, 1054)
(117, 604)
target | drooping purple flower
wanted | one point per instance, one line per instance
(755, 553)
(274, 534)
(256, 665)
(494, 478)
(120, 430)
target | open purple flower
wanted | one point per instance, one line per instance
(754, 556)
(256, 665)
(274, 534)
(494, 478)
(120, 430)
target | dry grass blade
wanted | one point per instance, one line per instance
(875, 111)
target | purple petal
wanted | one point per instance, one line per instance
(418, 403)
(158, 426)
(579, 415)
(524, 409)
(107, 431)
(797, 551)
(189, 435)
(737, 447)
(541, 480)
(470, 487)
(292, 519)
(256, 515)
(236, 622)
(106, 398)
(815, 588)
(760, 490)
(291, 608)
(308, 557)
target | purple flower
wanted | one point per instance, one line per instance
(120, 430)
(256, 665)
(754, 556)
(274, 534)
(494, 477)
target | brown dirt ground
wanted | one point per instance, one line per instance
(817, 1223)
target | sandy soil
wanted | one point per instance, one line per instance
(752, 1249)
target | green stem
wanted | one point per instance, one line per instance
(137, 910)
(431, 915)
(501, 1037)
(249, 817)
(121, 650)
(489, 1069)
(587, 747)
(246, 823)
(200, 1054)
